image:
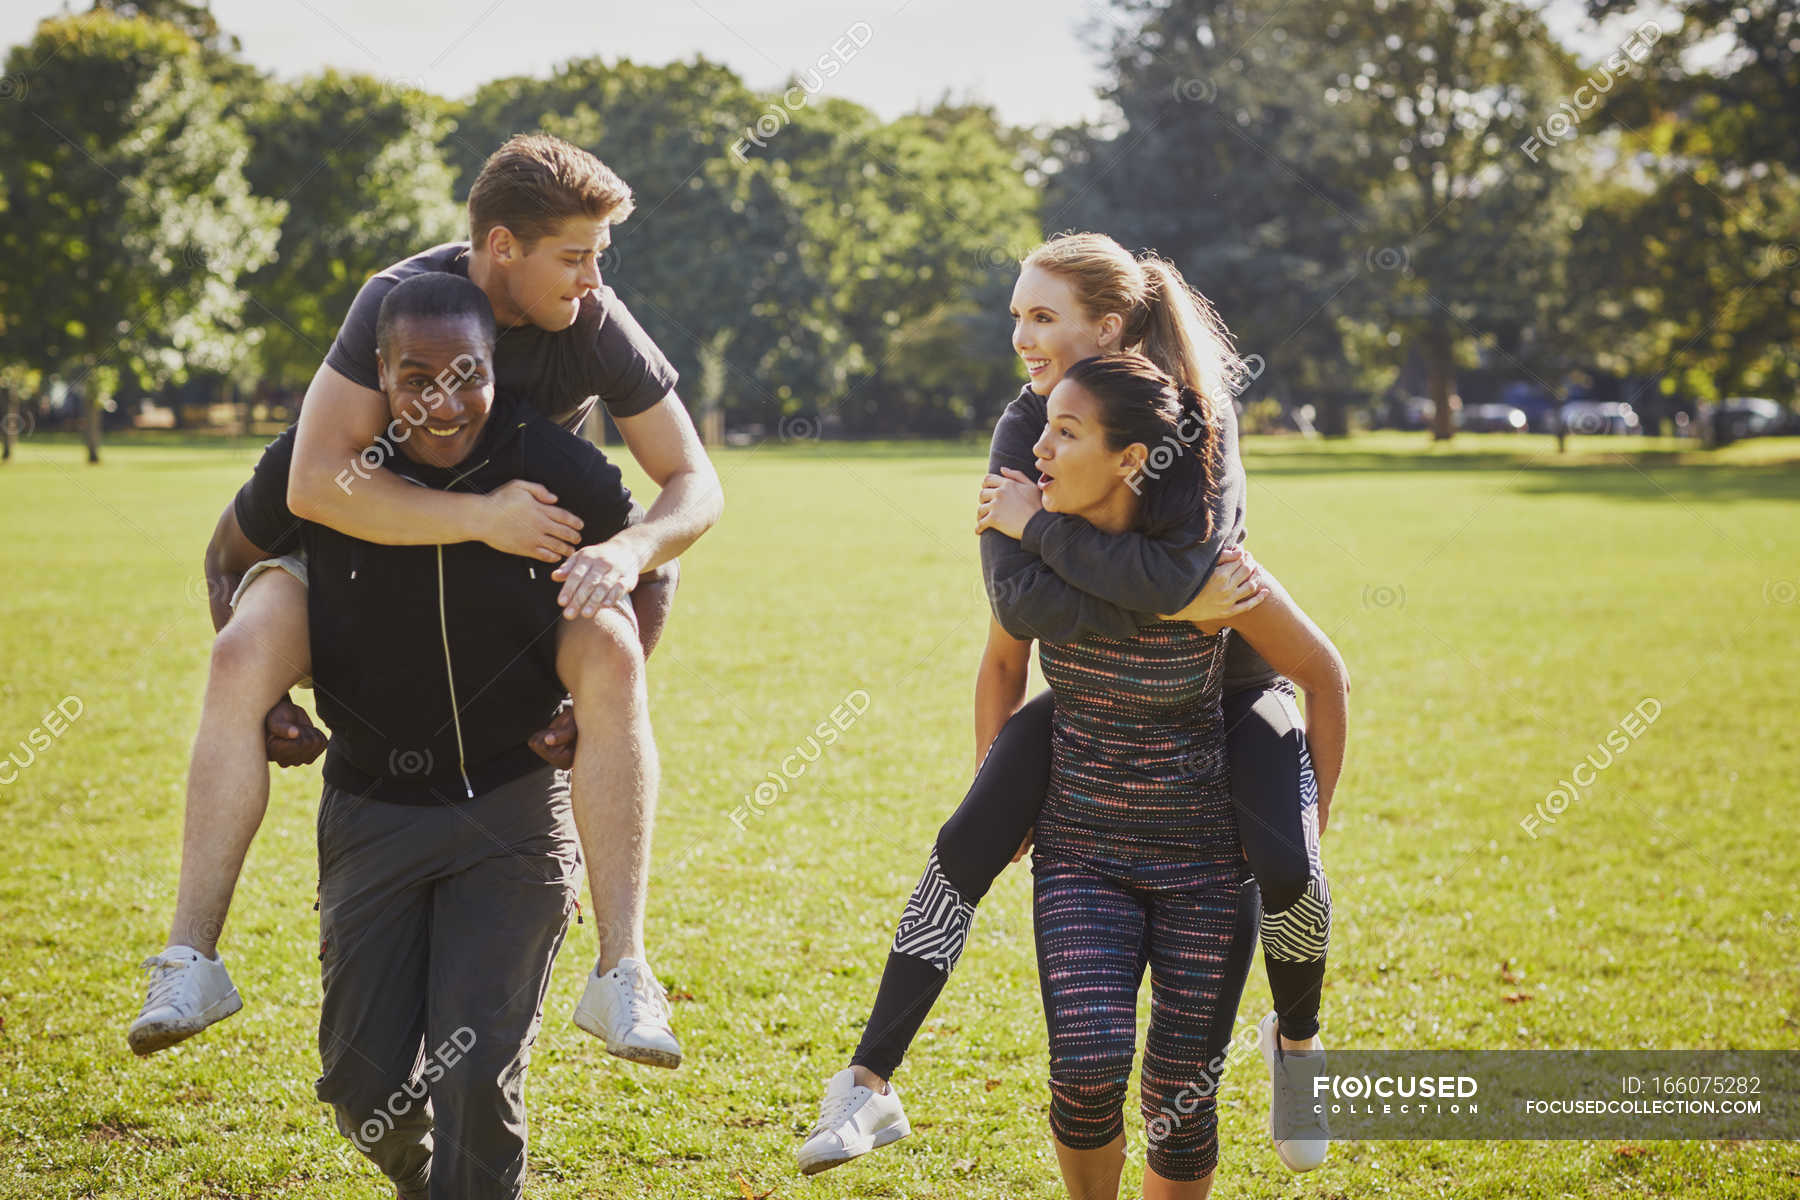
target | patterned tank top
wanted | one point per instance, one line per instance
(1137, 762)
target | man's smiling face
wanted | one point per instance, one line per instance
(438, 376)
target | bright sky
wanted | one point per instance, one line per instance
(1028, 59)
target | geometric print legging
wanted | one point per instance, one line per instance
(1100, 921)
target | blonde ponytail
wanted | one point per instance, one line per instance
(1166, 320)
(1182, 333)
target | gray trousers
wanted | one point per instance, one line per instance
(437, 928)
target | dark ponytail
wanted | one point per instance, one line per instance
(1139, 403)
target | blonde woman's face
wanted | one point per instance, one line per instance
(1050, 330)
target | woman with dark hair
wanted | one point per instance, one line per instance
(1138, 860)
(1054, 576)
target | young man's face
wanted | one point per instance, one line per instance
(438, 376)
(546, 285)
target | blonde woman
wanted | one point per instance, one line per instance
(1056, 577)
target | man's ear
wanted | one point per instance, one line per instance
(501, 244)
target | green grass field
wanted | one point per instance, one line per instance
(1501, 608)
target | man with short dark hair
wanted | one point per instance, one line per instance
(541, 211)
(448, 857)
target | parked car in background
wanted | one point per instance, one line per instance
(1595, 416)
(1406, 412)
(1534, 400)
(1750, 416)
(1493, 418)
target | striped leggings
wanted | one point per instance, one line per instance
(1276, 799)
(1100, 922)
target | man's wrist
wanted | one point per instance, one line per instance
(473, 515)
(632, 540)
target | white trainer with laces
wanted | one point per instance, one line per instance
(853, 1120)
(629, 1010)
(1296, 1122)
(186, 992)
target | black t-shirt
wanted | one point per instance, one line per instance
(604, 355)
(432, 665)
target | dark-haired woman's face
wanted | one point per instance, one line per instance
(1051, 332)
(1077, 472)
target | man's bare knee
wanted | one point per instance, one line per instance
(664, 577)
(238, 655)
(600, 655)
(254, 653)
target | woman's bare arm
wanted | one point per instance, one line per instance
(1000, 684)
(1296, 647)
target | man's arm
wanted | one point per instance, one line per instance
(290, 739)
(228, 555)
(663, 441)
(331, 484)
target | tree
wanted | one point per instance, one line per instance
(1329, 167)
(356, 160)
(1227, 159)
(779, 271)
(710, 260)
(129, 221)
(915, 228)
(1685, 262)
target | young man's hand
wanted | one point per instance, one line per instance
(521, 517)
(555, 744)
(601, 576)
(290, 737)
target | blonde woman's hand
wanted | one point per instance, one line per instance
(1234, 588)
(1007, 501)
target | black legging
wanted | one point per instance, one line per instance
(1272, 787)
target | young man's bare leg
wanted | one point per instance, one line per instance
(651, 601)
(613, 790)
(262, 652)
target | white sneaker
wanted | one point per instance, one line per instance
(186, 993)
(629, 1010)
(853, 1120)
(1296, 1122)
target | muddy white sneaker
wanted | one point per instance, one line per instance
(853, 1120)
(629, 1010)
(186, 992)
(1296, 1121)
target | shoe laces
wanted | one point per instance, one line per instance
(165, 979)
(834, 1110)
(646, 999)
(1297, 1106)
